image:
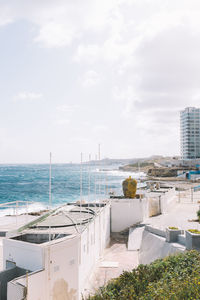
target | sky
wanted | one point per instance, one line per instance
(76, 73)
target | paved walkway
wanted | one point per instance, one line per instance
(179, 214)
(116, 254)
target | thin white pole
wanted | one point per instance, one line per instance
(95, 186)
(99, 170)
(106, 186)
(16, 213)
(27, 211)
(50, 198)
(139, 178)
(89, 181)
(105, 180)
(81, 183)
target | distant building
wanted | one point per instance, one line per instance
(190, 133)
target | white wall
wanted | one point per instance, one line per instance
(125, 213)
(168, 199)
(68, 263)
(154, 206)
(92, 243)
(154, 247)
(26, 255)
(161, 201)
(59, 279)
(61, 266)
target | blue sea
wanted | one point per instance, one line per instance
(30, 183)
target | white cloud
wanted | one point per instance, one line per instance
(89, 53)
(28, 96)
(66, 108)
(63, 122)
(90, 78)
(100, 129)
(65, 113)
(140, 59)
(54, 35)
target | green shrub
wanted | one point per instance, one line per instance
(175, 277)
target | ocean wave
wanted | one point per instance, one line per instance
(12, 210)
(119, 173)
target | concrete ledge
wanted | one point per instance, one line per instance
(156, 231)
(181, 239)
(172, 235)
(154, 247)
(192, 241)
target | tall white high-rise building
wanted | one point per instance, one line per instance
(190, 133)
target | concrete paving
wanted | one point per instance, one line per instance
(118, 253)
(182, 215)
(9, 223)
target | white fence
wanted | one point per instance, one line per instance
(189, 196)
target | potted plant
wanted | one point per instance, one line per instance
(172, 234)
(192, 239)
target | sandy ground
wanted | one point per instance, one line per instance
(117, 252)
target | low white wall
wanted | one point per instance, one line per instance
(154, 247)
(161, 201)
(168, 199)
(145, 208)
(154, 206)
(26, 255)
(126, 213)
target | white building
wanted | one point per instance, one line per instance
(190, 133)
(59, 253)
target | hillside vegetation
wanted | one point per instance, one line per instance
(174, 277)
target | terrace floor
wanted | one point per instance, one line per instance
(182, 215)
(115, 254)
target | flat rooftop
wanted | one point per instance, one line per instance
(67, 220)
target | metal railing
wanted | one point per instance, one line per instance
(191, 195)
(15, 207)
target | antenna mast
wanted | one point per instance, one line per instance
(95, 186)
(99, 170)
(89, 181)
(81, 182)
(50, 197)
